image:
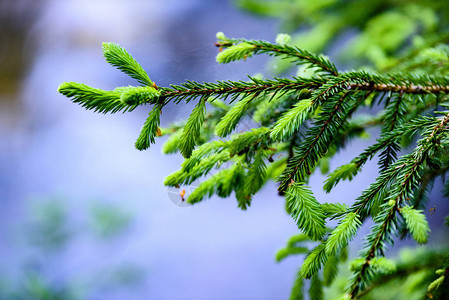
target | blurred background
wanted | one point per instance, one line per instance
(84, 215)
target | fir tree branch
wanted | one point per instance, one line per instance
(428, 261)
(182, 176)
(221, 183)
(330, 270)
(323, 88)
(121, 59)
(233, 89)
(410, 166)
(250, 142)
(313, 262)
(443, 276)
(297, 290)
(201, 153)
(285, 252)
(191, 131)
(150, 129)
(416, 223)
(256, 174)
(343, 233)
(306, 210)
(363, 204)
(297, 239)
(316, 288)
(298, 55)
(387, 138)
(329, 99)
(317, 141)
(393, 117)
(291, 120)
(171, 145)
(334, 210)
(228, 123)
(344, 172)
(94, 99)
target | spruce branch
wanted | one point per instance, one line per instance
(224, 89)
(221, 183)
(228, 123)
(171, 144)
(122, 60)
(233, 181)
(443, 277)
(411, 166)
(343, 233)
(394, 114)
(150, 129)
(313, 262)
(201, 153)
(270, 109)
(95, 99)
(306, 210)
(286, 126)
(393, 136)
(256, 173)
(181, 177)
(297, 290)
(238, 48)
(405, 87)
(297, 240)
(418, 262)
(250, 142)
(316, 143)
(302, 123)
(364, 203)
(330, 270)
(316, 288)
(416, 223)
(139, 95)
(235, 52)
(191, 130)
(344, 172)
(334, 210)
(288, 251)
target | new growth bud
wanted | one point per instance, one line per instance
(236, 52)
(139, 95)
(221, 36)
(283, 39)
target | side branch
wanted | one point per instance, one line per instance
(300, 164)
(192, 90)
(298, 54)
(301, 56)
(410, 176)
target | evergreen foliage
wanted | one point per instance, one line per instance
(314, 261)
(306, 210)
(230, 120)
(191, 130)
(343, 233)
(122, 60)
(416, 224)
(301, 122)
(150, 129)
(297, 290)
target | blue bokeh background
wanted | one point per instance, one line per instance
(82, 211)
